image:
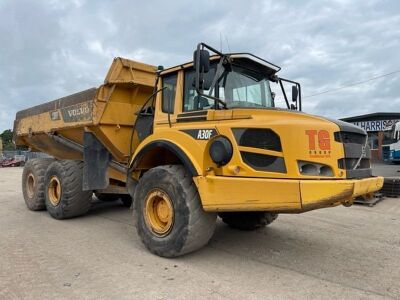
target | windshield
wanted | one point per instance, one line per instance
(236, 85)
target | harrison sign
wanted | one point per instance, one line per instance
(378, 125)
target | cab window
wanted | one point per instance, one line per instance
(168, 93)
(238, 86)
(191, 100)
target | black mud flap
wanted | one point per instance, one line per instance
(144, 126)
(96, 161)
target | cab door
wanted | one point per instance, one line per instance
(169, 99)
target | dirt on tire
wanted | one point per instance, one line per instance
(192, 227)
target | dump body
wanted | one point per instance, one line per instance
(108, 112)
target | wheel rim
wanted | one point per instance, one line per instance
(159, 212)
(54, 191)
(30, 185)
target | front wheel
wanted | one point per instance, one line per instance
(169, 215)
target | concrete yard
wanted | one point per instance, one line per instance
(338, 253)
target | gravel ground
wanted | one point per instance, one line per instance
(339, 253)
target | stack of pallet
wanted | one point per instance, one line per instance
(391, 187)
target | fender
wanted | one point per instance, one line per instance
(170, 147)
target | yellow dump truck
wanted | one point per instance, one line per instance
(188, 144)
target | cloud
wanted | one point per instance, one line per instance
(54, 48)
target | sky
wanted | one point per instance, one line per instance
(53, 48)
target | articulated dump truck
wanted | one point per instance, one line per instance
(189, 144)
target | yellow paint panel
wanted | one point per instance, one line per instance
(321, 191)
(230, 193)
(368, 185)
(220, 193)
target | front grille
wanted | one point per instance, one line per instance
(355, 147)
(349, 163)
(264, 162)
(258, 138)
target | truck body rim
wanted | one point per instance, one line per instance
(54, 190)
(159, 212)
(30, 185)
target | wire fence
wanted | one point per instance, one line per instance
(21, 155)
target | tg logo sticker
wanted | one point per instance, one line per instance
(319, 143)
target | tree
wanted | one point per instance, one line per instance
(6, 137)
(8, 145)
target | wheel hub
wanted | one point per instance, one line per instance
(54, 191)
(30, 185)
(159, 212)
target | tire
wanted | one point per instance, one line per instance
(33, 187)
(64, 195)
(247, 220)
(125, 199)
(191, 227)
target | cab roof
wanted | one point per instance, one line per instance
(249, 59)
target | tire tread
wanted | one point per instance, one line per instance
(36, 166)
(200, 225)
(74, 201)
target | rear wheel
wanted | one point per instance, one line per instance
(64, 195)
(169, 215)
(33, 186)
(247, 220)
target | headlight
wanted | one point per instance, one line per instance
(314, 169)
(221, 151)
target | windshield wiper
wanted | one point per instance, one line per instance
(222, 102)
(218, 74)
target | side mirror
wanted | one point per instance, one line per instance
(295, 93)
(201, 60)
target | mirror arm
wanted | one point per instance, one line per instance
(199, 91)
(298, 88)
(284, 93)
(210, 48)
(199, 47)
